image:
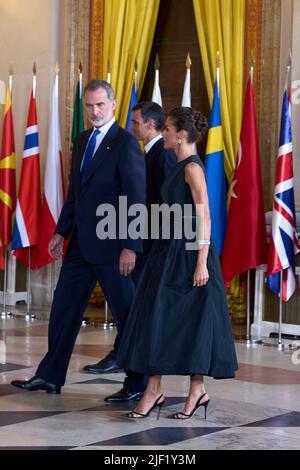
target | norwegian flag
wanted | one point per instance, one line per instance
(27, 220)
(284, 244)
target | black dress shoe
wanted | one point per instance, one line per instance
(124, 395)
(35, 383)
(105, 366)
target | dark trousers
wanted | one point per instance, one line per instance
(76, 282)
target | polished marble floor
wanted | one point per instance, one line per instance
(259, 409)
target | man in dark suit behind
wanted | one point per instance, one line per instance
(107, 163)
(147, 123)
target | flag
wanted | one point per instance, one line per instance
(28, 210)
(133, 102)
(215, 174)
(7, 178)
(245, 244)
(53, 185)
(78, 119)
(186, 96)
(156, 94)
(284, 244)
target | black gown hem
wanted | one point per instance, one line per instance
(191, 372)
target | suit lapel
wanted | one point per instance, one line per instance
(151, 154)
(103, 150)
(80, 153)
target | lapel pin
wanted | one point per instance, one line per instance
(107, 148)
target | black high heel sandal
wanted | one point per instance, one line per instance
(181, 415)
(137, 415)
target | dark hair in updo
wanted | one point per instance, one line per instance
(193, 122)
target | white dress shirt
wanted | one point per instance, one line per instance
(151, 143)
(103, 131)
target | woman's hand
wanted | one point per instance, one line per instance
(201, 275)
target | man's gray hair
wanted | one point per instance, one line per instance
(94, 85)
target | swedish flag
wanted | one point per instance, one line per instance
(215, 174)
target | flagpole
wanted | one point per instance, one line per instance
(10, 80)
(29, 315)
(54, 264)
(34, 80)
(136, 75)
(80, 80)
(248, 332)
(156, 94)
(249, 340)
(52, 280)
(280, 345)
(106, 324)
(108, 78)
(218, 62)
(4, 312)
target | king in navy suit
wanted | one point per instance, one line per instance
(107, 163)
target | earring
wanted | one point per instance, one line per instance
(179, 141)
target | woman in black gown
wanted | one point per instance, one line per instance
(179, 322)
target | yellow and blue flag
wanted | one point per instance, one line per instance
(215, 175)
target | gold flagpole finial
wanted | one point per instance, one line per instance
(252, 58)
(10, 80)
(56, 68)
(135, 66)
(108, 66)
(252, 62)
(218, 59)
(157, 63)
(288, 69)
(290, 58)
(188, 62)
(34, 79)
(80, 68)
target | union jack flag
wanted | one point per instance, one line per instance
(284, 244)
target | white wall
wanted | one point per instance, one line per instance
(29, 32)
(33, 31)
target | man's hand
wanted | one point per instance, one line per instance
(127, 261)
(55, 247)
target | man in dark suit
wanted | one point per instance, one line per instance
(147, 123)
(107, 163)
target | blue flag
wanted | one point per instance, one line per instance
(215, 175)
(133, 102)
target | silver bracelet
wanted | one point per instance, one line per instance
(203, 242)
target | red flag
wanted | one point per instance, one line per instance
(53, 186)
(7, 178)
(245, 245)
(2, 258)
(25, 235)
